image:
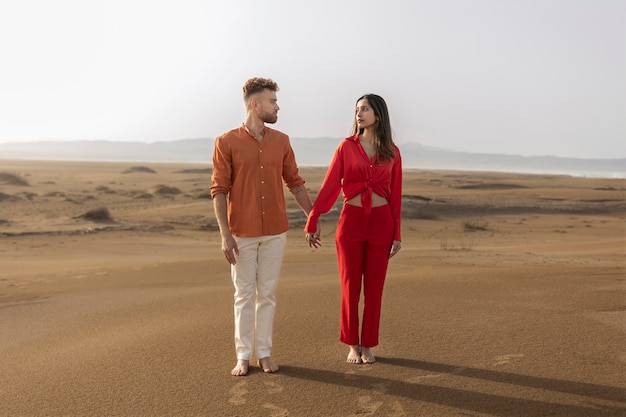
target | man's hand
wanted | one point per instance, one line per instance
(230, 249)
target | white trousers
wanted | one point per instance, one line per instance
(255, 277)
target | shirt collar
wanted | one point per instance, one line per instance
(243, 125)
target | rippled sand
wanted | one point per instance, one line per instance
(507, 299)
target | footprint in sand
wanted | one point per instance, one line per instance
(276, 411)
(381, 387)
(238, 392)
(506, 359)
(366, 407)
(273, 387)
(349, 375)
(397, 410)
(422, 378)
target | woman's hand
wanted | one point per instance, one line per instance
(313, 239)
(395, 248)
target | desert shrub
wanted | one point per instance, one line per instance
(27, 195)
(166, 190)
(7, 197)
(196, 171)
(142, 196)
(495, 186)
(475, 224)
(12, 179)
(139, 169)
(205, 194)
(105, 189)
(98, 215)
(55, 194)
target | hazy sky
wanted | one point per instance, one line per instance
(530, 77)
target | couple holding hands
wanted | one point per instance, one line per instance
(250, 165)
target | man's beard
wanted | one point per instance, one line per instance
(270, 118)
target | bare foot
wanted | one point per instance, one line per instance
(353, 355)
(241, 369)
(268, 365)
(367, 356)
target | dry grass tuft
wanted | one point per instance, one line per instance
(460, 246)
(12, 179)
(474, 225)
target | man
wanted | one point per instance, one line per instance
(249, 165)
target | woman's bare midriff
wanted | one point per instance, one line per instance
(377, 201)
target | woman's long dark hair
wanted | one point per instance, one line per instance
(383, 141)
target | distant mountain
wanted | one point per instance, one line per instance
(311, 152)
(415, 155)
(186, 150)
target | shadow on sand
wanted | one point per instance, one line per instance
(479, 402)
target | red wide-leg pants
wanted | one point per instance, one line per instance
(363, 244)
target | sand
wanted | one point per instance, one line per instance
(507, 299)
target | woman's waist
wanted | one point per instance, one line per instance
(377, 200)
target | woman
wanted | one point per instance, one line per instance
(368, 167)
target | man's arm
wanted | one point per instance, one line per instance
(229, 245)
(301, 195)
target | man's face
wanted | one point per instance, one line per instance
(267, 106)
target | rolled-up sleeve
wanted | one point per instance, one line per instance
(291, 176)
(222, 168)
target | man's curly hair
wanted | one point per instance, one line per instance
(256, 85)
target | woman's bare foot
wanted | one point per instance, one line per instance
(367, 356)
(268, 365)
(241, 369)
(354, 355)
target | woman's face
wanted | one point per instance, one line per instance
(364, 114)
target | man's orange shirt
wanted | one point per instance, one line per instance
(249, 172)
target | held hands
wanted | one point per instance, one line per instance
(314, 239)
(396, 245)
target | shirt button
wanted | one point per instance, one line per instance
(261, 166)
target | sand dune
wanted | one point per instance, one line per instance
(507, 299)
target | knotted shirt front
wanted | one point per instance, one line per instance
(353, 171)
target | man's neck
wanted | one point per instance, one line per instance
(255, 127)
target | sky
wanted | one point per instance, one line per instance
(525, 77)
